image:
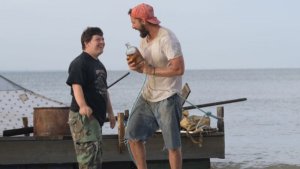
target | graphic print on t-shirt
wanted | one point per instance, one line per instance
(100, 82)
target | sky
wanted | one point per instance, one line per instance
(44, 35)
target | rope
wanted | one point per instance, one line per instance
(206, 113)
(126, 141)
(198, 128)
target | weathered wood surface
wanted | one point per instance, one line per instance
(220, 123)
(187, 164)
(185, 92)
(45, 150)
(19, 131)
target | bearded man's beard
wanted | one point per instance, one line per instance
(143, 32)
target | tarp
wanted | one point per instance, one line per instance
(17, 102)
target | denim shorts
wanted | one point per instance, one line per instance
(147, 117)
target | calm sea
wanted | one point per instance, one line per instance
(262, 132)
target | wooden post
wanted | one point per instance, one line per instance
(25, 124)
(126, 117)
(121, 132)
(220, 114)
(185, 92)
(126, 114)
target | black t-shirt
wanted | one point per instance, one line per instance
(91, 75)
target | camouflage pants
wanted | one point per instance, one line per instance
(87, 137)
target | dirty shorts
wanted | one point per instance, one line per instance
(147, 117)
(87, 137)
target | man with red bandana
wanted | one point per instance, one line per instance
(159, 105)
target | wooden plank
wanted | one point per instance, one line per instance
(19, 131)
(41, 166)
(37, 152)
(29, 150)
(189, 164)
(185, 92)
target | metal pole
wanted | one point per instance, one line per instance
(118, 80)
(214, 103)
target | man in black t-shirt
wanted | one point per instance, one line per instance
(90, 100)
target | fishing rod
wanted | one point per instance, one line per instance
(118, 80)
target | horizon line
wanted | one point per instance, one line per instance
(60, 70)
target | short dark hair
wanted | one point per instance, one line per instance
(88, 33)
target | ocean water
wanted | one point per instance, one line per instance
(262, 132)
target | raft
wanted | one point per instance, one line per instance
(57, 152)
(48, 144)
